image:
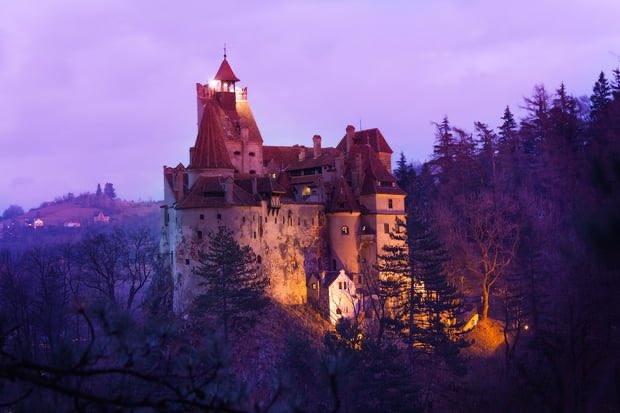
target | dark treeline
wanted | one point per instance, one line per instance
(520, 221)
(530, 216)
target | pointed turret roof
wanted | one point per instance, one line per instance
(343, 199)
(210, 150)
(225, 72)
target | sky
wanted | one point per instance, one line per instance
(96, 91)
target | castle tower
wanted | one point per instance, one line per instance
(209, 156)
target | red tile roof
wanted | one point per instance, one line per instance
(343, 199)
(225, 73)
(210, 150)
(372, 137)
(209, 192)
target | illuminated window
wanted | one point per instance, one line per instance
(306, 191)
(313, 285)
(386, 228)
(390, 204)
(344, 230)
(273, 175)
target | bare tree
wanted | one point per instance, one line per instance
(493, 237)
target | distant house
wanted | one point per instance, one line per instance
(101, 218)
(72, 224)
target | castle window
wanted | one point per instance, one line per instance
(243, 219)
(386, 228)
(344, 230)
(219, 216)
(199, 234)
(339, 285)
(273, 175)
(306, 191)
(390, 204)
(265, 220)
(298, 221)
(313, 285)
(252, 172)
(252, 154)
(259, 259)
(236, 153)
(186, 261)
(202, 216)
(313, 221)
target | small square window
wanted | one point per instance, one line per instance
(202, 216)
(313, 285)
(219, 216)
(186, 261)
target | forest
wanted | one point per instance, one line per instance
(520, 220)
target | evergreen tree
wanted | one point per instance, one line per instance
(444, 149)
(234, 288)
(508, 129)
(615, 86)
(601, 97)
(99, 192)
(395, 290)
(404, 172)
(109, 191)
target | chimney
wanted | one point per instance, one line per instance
(228, 189)
(349, 137)
(316, 142)
(302, 153)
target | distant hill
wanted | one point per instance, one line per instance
(69, 216)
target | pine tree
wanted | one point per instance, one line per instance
(394, 290)
(508, 129)
(99, 191)
(234, 288)
(601, 97)
(615, 86)
(404, 172)
(109, 191)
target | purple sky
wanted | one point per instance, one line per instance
(104, 90)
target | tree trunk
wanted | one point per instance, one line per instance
(485, 302)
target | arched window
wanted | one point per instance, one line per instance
(344, 230)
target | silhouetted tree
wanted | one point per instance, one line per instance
(12, 211)
(234, 288)
(109, 190)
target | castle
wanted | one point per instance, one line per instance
(317, 217)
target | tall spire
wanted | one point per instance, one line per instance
(210, 149)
